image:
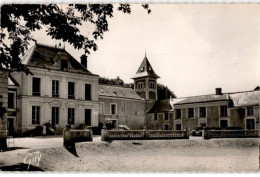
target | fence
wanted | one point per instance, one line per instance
(73, 136)
(107, 135)
(231, 134)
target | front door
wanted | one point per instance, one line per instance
(223, 123)
(88, 117)
(250, 124)
(10, 126)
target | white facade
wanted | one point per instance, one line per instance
(45, 101)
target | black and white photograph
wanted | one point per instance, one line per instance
(129, 88)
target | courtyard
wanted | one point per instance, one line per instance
(193, 155)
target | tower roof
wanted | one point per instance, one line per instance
(145, 70)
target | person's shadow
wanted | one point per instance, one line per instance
(71, 148)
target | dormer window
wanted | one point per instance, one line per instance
(142, 69)
(64, 65)
(149, 68)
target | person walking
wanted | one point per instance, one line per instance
(44, 131)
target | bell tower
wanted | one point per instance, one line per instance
(145, 81)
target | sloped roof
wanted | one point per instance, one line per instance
(45, 56)
(145, 69)
(204, 98)
(118, 91)
(161, 106)
(245, 98)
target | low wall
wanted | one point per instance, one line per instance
(107, 135)
(207, 134)
(74, 136)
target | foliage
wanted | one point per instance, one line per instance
(164, 92)
(19, 20)
(106, 81)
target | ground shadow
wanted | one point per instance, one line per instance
(13, 148)
(20, 167)
(71, 148)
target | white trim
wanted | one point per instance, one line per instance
(111, 109)
(196, 105)
(224, 118)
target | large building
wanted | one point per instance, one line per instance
(63, 91)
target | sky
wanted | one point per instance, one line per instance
(194, 48)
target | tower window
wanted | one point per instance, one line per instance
(152, 85)
(140, 85)
(142, 69)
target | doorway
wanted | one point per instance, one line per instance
(250, 124)
(10, 126)
(223, 123)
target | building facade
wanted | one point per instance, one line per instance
(61, 90)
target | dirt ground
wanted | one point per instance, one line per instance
(194, 155)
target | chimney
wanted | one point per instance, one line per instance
(84, 61)
(218, 91)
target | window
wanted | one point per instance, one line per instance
(250, 124)
(88, 117)
(55, 88)
(202, 111)
(140, 85)
(87, 92)
(155, 117)
(11, 100)
(250, 111)
(166, 127)
(64, 65)
(35, 114)
(178, 113)
(55, 115)
(190, 112)
(178, 126)
(113, 109)
(166, 117)
(152, 85)
(142, 69)
(203, 124)
(71, 90)
(71, 116)
(223, 111)
(223, 123)
(36, 86)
